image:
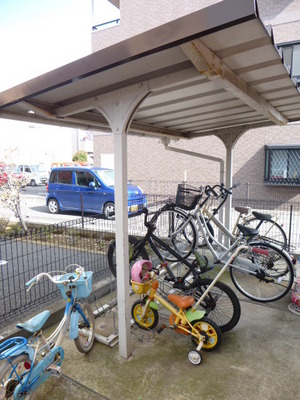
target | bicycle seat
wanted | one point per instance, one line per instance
(35, 324)
(181, 301)
(261, 216)
(246, 231)
(242, 210)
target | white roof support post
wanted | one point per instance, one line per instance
(229, 141)
(119, 110)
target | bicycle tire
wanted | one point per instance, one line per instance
(274, 279)
(111, 254)
(150, 320)
(211, 331)
(269, 231)
(85, 340)
(7, 374)
(184, 241)
(221, 303)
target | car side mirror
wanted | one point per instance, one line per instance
(92, 185)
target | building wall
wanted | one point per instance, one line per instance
(159, 170)
(138, 16)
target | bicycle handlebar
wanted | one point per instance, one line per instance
(221, 188)
(79, 271)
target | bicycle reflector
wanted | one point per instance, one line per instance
(260, 251)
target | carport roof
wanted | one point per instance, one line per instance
(211, 72)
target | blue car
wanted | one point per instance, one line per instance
(90, 190)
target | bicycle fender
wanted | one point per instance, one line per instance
(153, 305)
(194, 315)
(40, 372)
(73, 329)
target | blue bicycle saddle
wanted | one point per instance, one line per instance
(34, 324)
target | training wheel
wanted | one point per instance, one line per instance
(194, 357)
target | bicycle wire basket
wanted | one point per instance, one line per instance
(81, 288)
(187, 196)
(141, 288)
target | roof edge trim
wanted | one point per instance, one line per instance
(207, 20)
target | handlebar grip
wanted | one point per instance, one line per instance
(31, 282)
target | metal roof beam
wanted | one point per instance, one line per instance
(212, 67)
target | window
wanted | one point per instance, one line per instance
(84, 178)
(61, 177)
(291, 54)
(282, 164)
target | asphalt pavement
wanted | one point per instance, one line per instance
(34, 208)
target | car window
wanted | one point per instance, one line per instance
(84, 178)
(27, 168)
(61, 177)
(106, 176)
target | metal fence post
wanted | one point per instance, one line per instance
(81, 205)
(290, 228)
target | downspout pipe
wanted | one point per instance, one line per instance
(203, 156)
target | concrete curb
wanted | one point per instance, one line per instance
(100, 289)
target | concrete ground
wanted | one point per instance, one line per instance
(258, 360)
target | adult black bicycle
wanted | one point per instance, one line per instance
(221, 303)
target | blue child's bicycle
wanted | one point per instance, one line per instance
(26, 363)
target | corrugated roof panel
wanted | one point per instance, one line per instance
(211, 70)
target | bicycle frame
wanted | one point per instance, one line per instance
(183, 318)
(243, 265)
(152, 239)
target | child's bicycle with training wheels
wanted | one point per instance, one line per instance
(205, 333)
(26, 363)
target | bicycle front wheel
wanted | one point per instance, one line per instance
(269, 231)
(133, 244)
(265, 274)
(86, 335)
(10, 373)
(221, 303)
(179, 232)
(149, 320)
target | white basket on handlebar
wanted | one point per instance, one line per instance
(81, 288)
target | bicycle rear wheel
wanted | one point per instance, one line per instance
(221, 303)
(8, 378)
(269, 231)
(210, 330)
(178, 232)
(133, 243)
(264, 275)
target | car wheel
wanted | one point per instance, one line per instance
(109, 210)
(32, 182)
(53, 206)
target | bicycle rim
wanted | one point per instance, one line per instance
(85, 339)
(180, 236)
(263, 277)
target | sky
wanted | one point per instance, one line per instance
(37, 36)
